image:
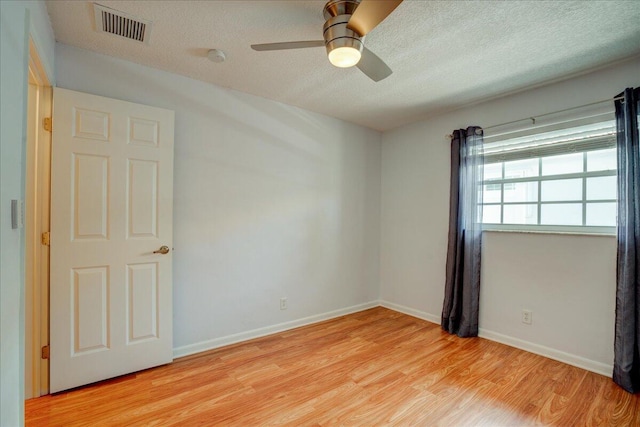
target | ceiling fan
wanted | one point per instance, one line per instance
(347, 23)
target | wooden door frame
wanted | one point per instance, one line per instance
(37, 213)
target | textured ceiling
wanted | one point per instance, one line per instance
(444, 54)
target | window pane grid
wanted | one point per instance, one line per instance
(581, 199)
(584, 189)
(502, 196)
(539, 191)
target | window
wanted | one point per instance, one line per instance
(560, 180)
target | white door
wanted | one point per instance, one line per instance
(111, 208)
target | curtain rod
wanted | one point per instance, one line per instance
(534, 118)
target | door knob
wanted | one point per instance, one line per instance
(163, 250)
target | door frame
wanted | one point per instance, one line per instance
(37, 220)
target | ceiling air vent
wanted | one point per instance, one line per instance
(121, 24)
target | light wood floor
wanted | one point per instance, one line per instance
(377, 367)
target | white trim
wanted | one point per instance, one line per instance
(411, 312)
(555, 233)
(551, 353)
(37, 195)
(268, 330)
(541, 350)
(587, 230)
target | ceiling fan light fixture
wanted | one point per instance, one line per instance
(344, 46)
(344, 57)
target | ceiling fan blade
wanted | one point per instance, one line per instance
(369, 14)
(372, 66)
(287, 45)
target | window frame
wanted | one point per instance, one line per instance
(584, 175)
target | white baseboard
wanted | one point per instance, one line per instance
(411, 311)
(551, 353)
(268, 330)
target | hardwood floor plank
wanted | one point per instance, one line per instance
(376, 367)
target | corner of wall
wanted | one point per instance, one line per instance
(41, 32)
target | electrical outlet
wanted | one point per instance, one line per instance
(527, 316)
(283, 303)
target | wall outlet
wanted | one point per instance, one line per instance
(283, 303)
(527, 316)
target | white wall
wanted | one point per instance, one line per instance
(568, 281)
(270, 201)
(569, 284)
(18, 21)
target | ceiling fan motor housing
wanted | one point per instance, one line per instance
(336, 33)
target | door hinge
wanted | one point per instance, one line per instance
(47, 123)
(46, 238)
(45, 352)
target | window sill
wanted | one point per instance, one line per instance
(564, 233)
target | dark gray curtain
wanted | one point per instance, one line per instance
(462, 285)
(626, 365)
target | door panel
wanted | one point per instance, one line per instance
(112, 187)
(142, 199)
(142, 302)
(90, 181)
(89, 301)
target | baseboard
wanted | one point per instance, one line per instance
(268, 330)
(551, 353)
(411, 311)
